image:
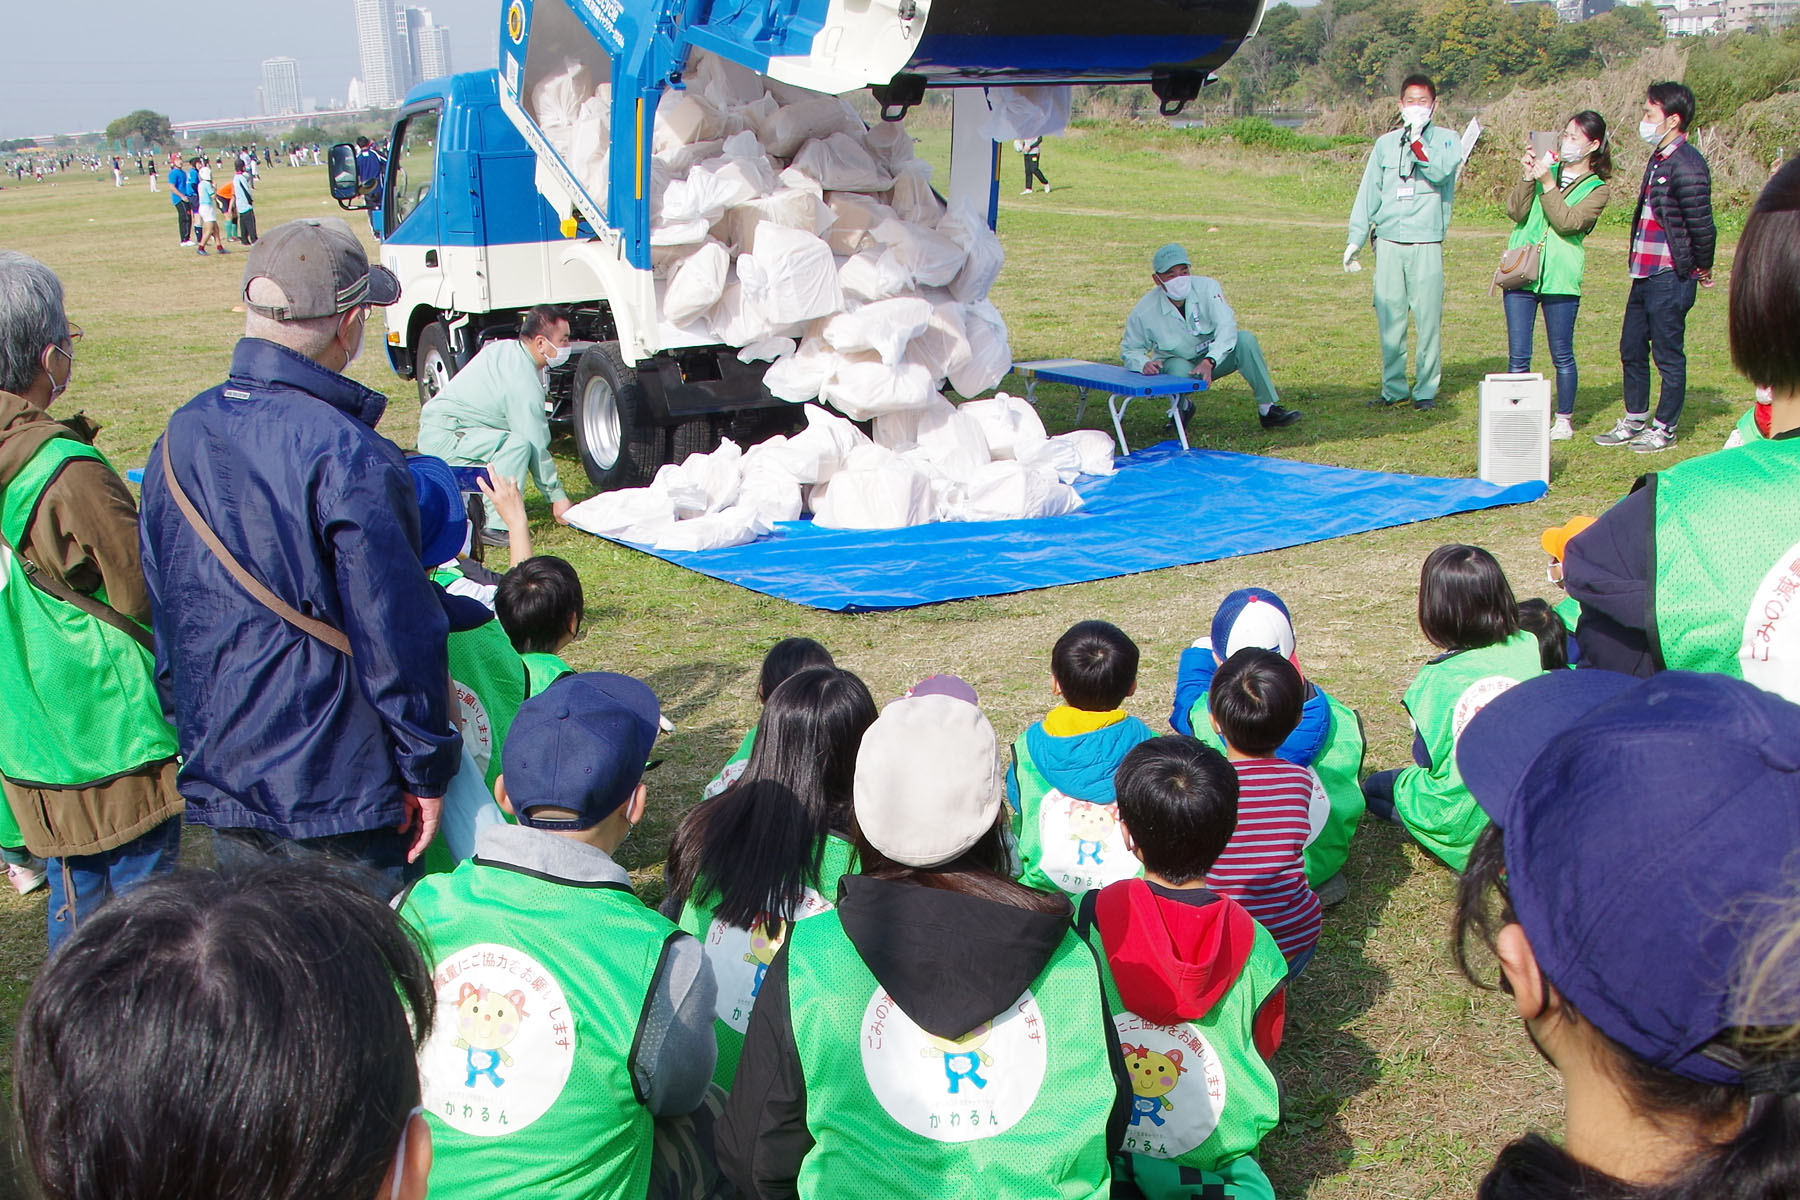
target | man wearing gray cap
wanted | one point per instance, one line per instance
(299, 644)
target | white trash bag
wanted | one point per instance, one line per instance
(885, 326)
(876, 489)
(1011, 426)
(799, 376)
(842, 164)
(864, 387)
(1012, 491)
(732, 526)
(697, 283)
(791, 277)
(990, 356)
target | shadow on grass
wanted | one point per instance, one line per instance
(1322, 1064)
(690, 756)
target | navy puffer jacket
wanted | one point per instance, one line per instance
(1679, 189)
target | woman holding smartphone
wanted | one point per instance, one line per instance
(1554, 206)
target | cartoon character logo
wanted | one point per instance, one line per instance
(1091, 827)
(963, 1058)
(765, 941)
(486, 1022)
(1153, 1076)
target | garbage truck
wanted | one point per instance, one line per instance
(483, 211)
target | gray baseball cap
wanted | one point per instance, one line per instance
(319, 266)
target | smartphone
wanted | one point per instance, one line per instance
(470, 479)
(1546, 145)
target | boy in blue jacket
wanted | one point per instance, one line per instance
(1060, 784)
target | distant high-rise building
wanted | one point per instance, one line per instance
(355, 97)
(408, 23)
(433, 51)
(280, 86)
(385, 61)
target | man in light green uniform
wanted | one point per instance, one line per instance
(1405, 201)
(492, 413)
(1183, 327)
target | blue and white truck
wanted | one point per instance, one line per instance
(481, 217)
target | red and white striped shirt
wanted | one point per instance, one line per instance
(1261, 867)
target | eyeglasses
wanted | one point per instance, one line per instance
(74, 332)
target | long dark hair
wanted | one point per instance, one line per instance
(753, 849)
(980, 871)
(1594, 126)
(241, 1037)
(1762, 1162)
(1465, 602)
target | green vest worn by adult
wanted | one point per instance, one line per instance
(81, 704)
(489, 681)
(1337, 805)
(1563, 257)
(1202, 1094)
(1066, 844)
(529, 1076)
(1433, 802)
(542, 670)
(1726, 596)
(1018, 1106)
(741, 957)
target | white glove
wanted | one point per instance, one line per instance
(1350, 263)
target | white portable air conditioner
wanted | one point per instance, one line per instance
(1515, 429)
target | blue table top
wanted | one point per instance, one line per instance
(1120, 381)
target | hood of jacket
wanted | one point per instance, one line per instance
(1082, 765)
(1173, 955)
(950, 961)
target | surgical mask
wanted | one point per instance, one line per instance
(1572, 152)
(1648, 130)
(57, 389)
(361, 331)
(1179, 288)
(557, 357)
(1415, 115)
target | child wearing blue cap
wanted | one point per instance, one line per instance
(1681, 1080)
(572, 1021)
(1328, 740)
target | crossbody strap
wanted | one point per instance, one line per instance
(258, 590)
(87, 604)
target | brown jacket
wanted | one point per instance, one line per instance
(1567, 219)
(83, 534)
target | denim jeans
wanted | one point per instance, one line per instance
(1656, 324)
(380, 852)
(1559, 329)
(81, 883)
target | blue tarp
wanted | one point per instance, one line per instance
(1165, 508)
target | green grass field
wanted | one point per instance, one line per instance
(1399, 1079)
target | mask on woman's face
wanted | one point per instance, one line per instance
(1178, 287)
(1573, 151)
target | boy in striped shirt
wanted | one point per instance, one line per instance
(1255, 701)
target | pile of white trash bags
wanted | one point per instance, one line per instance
(782, 225)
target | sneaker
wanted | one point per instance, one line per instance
(1277, 417)
(29, 877)
(1335, 890)
(1046, 189)
(1623, 431)
(189, 242)
(1026, 192)
(1653, 439)
(201, 251)
(1425, 405)
(1560, 429)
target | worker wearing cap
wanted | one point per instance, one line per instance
(1184, 327)
(299, 643)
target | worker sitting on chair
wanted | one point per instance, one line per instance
(1183, 326)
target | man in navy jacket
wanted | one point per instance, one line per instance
(287, 739)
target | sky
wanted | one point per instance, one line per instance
(74, 65)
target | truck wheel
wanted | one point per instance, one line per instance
(435, 363)
(699, 436)
(620, 446)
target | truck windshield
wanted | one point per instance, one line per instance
(413, 160)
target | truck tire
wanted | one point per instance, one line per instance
(699, 436)
(620, 446)
(435, 363)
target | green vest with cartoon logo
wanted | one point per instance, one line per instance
(1727, 590)
(1202, 1095)
(489, 681)
(81, 704)
(527, 1078)
(741, 957)
(1017, 1107)
(1066, 844)
(1435, 806)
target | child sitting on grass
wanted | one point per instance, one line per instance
(785, 659)
(1060, 785)
(1194, 984)
(1467, 610)
(539, 604)
(1256, 701)
(1555, 542)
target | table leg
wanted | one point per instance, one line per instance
(1031, 390)
(1117, 405)
(1175, 416)
(1081, 395)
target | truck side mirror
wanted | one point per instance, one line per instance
(342, 172)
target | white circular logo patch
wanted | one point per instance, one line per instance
(741, 957)
(503, 1043)
(1476, 697)
(977, 1087)
(473, 722)
(1080, 844)
(1770, 654)
(1177, 1086)
(1318, 808)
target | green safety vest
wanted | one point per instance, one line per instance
(489, 682)
(1202, 1094)
(741, 957)
(541, 991)
(1337, 804)
(1066, 844)
(542, 670)
(1018, 1106)
(1563, 256)
(733, 770)
(1726, 596)
(81, 705)
(1745, 430)
(1568, 609)
(1435, 806)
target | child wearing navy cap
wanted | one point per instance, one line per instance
(572, 1021)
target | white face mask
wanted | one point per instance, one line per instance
(1574, 152)
(1648, 131)
(57, 389)
(1415, 115)
(1179, 288)
(361, 329)
(557, 357)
